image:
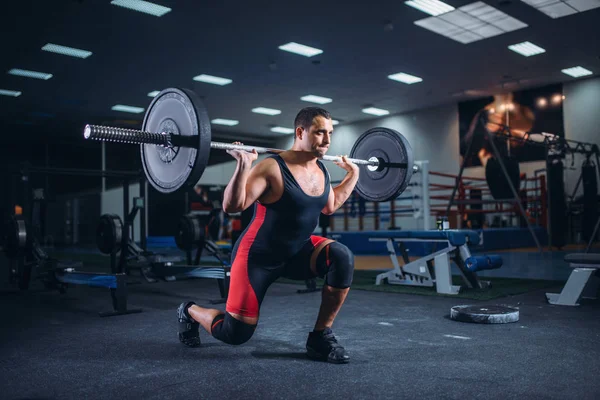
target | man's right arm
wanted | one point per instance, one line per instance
(245, 187)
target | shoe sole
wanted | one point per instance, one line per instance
(314, 355)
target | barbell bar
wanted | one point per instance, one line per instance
(175, 143)
(165, 139)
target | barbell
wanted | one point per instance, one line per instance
(175, 143)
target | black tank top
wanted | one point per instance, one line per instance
(280, 229)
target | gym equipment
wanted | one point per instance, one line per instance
(191, 235)
(435, 269)
(175, 142)
(491, 314)
(497, 181)
(27, 257)
(582, 283)
(112, 237)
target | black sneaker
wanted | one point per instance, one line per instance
(188, 328)
(323, 346)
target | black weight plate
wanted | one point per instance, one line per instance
(491, 314)
(178, 112)
(190, 232)
(390, 146)
(15, 236)
(109, 233)
(496, 179)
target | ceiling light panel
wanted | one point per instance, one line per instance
(375, 111)
(562, 8)
(30, 74)
(226, 122)
(405, 78)
(431, 7)
(142, 6)
(280, 129)
(128, 109)
(153, 93)
(471, 23)
(266, 111)
(215, 80)
(10, 93)
(526, 49)
(300, 49)
(311, 98)
(577, 72)
(66, 51)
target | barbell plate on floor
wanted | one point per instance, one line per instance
(178, 112)
(387, 145)
(491, 314)
(496, 179)
(109, 232)
(190, 232)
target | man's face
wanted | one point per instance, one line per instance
(318, 137)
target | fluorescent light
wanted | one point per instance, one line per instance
(142, 6)
(30, 74)
(526, 48)
(576, 72)
(154, 93)
(375, 111)
(562, 8)
(67, 51)
(334, 122)
(472, 22)
(431, 7)
(316, 99)
(215, 80)
(280, 129)
(266, 111)
(405, 78)
(11, 93)
(129, 109)
(222, 121)
(301, 49)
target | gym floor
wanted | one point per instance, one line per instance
(402, 346)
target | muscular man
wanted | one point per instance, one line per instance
(288, 192)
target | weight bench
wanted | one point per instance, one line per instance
(435, 268)
(582, 283)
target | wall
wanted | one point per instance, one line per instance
(582, 121)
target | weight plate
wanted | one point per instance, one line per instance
(387, 145)
(178, 112)
(496, 179)
(491, 314)
(15, 239)
(109, 233)
(190, 232)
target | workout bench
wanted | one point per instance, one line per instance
(582, 283)
(435, 268)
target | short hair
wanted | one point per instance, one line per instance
(306, 116)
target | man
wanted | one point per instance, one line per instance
(288, 191)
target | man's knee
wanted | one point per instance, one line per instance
(336, 263)
(230, 330)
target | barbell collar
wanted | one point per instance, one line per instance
(135, 136)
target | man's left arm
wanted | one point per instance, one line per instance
(339, 194)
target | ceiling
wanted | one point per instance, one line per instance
(136, 53)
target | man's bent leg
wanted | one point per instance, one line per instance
(336, 263)
(228, 327)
